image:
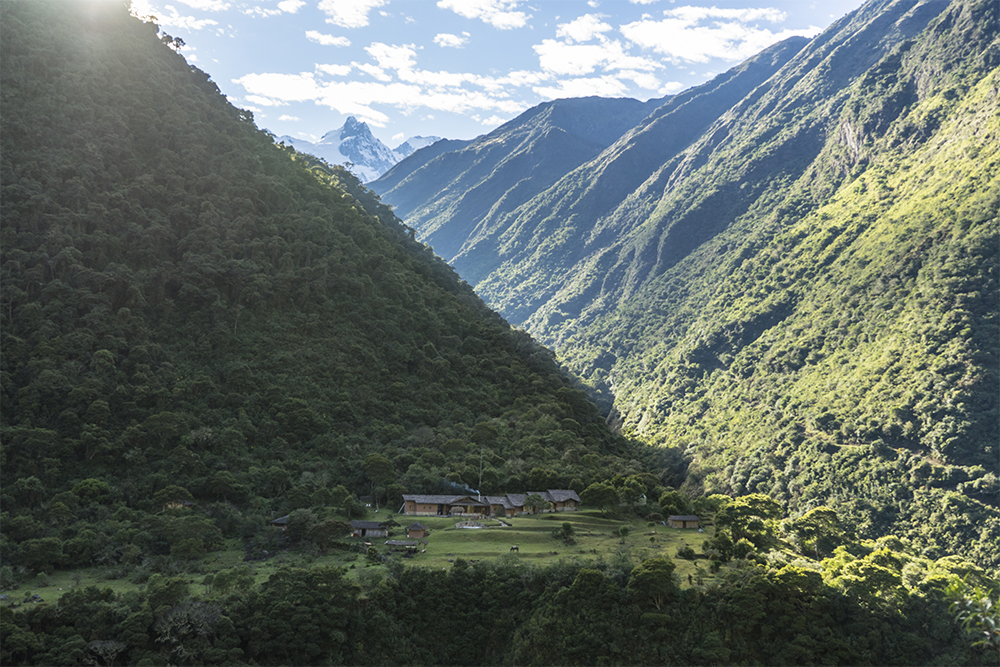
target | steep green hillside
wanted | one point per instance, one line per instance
(447, 198)
(832, 346)
(193, 313)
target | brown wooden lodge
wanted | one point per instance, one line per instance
(511, 504)
(683, 521)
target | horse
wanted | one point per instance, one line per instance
(514, 548)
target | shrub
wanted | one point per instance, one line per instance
(686, 552)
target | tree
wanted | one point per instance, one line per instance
(171, 496)
(29, 490)
(631, 491)
(91, 490)
(599, 494)
(42, 554)
(535, 502)
(301, 617)
(300, 524)
(380, 471)
(975, 610)
(749, 517)
(328, 531)
(653, 582)
(165, 592)
(379, 468)
(623, 533)
(818, 530)
(673, 501)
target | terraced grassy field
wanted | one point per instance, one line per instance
(595, 536)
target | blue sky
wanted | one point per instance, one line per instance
(459, 68)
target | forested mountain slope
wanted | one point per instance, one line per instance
(832, 339)
(446, 198)
(192, 312)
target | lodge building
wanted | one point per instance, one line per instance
(510, 504)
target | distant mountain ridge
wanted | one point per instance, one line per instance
(448, 196)
(354, 145)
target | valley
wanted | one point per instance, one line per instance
(768, 302)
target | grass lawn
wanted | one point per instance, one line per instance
(595, 535)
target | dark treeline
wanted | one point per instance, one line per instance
(507, 612)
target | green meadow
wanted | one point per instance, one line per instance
(595, 535)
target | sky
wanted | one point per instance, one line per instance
(460, 68)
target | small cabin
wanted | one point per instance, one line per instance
(683, 521)
(409, 546)
(416, 530)
(368, 529)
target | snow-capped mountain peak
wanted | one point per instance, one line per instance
(354, 146)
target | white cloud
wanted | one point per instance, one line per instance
(569, 59)
(498, 13)
(373, 70)
(519, 78)
(327, 40)
(695, 14)
(284, 7)
(641, 79)
(699, 34)
(284, 87)
(265, 101)
(670, 87)
(419, 89)
(174, 19)
(398, 136)
(454, 41)
(260, 11)
(604, 86)
(437, 79)
(207, 5)
(493, 120)
(335, 70)
(583, 29)
(643, 2)
(287, 117)
(392, 56)
(141, 8)
(349, 13)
